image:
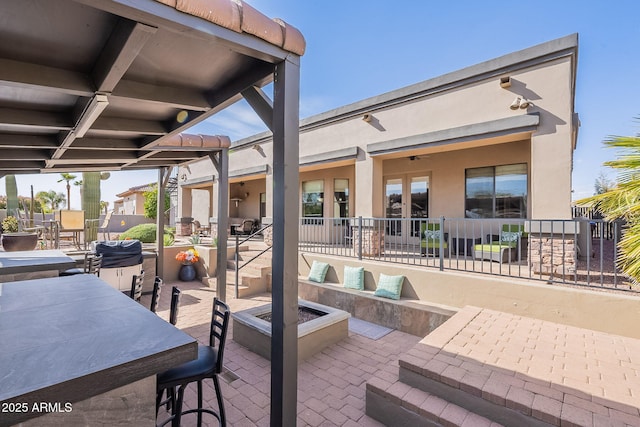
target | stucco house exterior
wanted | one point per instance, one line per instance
(131, 201)
(494, 140)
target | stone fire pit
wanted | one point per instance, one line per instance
(326, 326)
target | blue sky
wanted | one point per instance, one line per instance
(359, 49)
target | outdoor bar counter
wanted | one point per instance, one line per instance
(75, 351)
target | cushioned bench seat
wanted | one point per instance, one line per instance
(407, 315)
(496, 252)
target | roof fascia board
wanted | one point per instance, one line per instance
(494, 128)
(330, 156)
(153, 13)
(554, 49)
(207, 179)
(255, 170)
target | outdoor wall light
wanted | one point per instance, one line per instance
(520, 102)
(367, 118)
(505, 82)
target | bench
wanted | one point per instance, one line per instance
(408, 315)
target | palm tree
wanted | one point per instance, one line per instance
(68, 177)
(50, 198)
(623, 201)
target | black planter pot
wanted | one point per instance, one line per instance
(187, 272)
(12, 242)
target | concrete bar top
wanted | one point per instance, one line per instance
(31, 261)
(66, 339)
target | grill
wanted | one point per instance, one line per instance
(119, 253)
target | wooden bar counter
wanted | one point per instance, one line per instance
(75, 351)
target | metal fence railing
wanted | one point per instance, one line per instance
(580, 251)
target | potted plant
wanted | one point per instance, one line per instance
(187, 259)
(13, 240)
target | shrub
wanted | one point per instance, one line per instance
(146, 233)
(168, 239)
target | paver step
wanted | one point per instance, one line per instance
(398, 404)
(507, 368)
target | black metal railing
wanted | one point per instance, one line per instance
(581, 251)
(236, 256)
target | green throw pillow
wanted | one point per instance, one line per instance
(389, 286)
(318, 271)
(354, 277)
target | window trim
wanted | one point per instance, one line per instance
(523, 214)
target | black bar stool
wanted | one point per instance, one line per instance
(207, 365)
(136, 286)
(155, 295)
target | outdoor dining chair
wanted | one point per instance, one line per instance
(92, 264)
(207, 365)
(104, 227)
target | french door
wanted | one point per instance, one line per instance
(406, 202)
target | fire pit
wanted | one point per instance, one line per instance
(319, 326)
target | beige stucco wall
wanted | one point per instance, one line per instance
(548, 150)
(249, 207)
(600, 311)
(446, 172)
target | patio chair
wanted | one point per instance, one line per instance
(207, 365)
(247, 227)
(200, 229)
(503, 248)
(92, 264)
(430, 240)
(72, 222)
(104, 227)
(26, 226)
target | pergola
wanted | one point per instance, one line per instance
(98, 85)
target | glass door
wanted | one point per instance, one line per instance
(419, 203)
(393, 207)
(406, 206)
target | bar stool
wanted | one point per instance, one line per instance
(92, 264)
(170, 401)
(155, 295)
(136, 286)
(207, 365)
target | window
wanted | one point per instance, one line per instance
(340, 198)
(496, 192)
(313, 199)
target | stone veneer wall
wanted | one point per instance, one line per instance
(553, 255)
(372, 241)
(268, 236)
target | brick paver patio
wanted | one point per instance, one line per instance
(562, 375)
(331, 384)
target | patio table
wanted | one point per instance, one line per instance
(78, 347)
(23, 265)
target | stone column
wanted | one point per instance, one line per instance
(551, 255)
(372, 239)
(183, 222)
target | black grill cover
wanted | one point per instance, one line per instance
(119, 253)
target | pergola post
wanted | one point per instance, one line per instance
(220, 161)
(284, 339)
(163, 177)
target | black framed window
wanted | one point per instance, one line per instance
(313, 199)
(496, 191)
